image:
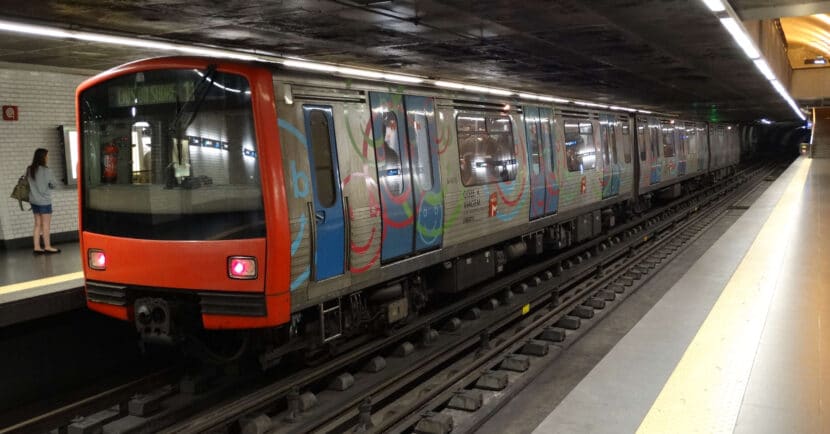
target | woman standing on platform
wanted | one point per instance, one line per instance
(40, 182)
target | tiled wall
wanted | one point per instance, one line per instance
(45, 100)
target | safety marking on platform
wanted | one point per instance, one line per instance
(705, 391)
(40, 282)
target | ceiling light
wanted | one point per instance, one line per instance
(740, 37)
(528, 96)
(500, 92)
(624, 109)
(403, 78)
(762, 66)
(449, 85)
(715, 5)
(309, 65)
(590, 104)
(360, 72)
(551, 99)
(474, 88)
(120, 40)
(644, 111)
(766, 121)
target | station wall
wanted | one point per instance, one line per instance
(45, 98)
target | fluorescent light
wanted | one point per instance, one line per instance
(715, 5)
(34, 30)
(624, 109)
(780, 89)
(784, 94)
(648, 112)
(766, 121)
(762, 66)
(403, 78)
(500, 92)
(590, 104)
(449, 85)
(309, 65)
(740, 37)
(552, 99)
(360, 72)
(528, 96)
(472, 88)
(101, 38)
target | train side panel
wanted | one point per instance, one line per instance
(486, 189)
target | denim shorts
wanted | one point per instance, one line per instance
(42, 209)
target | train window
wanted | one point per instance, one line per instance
(641, 138)
(667, 130)
(421, 151)
(486, 149)
(579, 144)
(534, 144)
(609, 142)
(654, 135)
(320, 136)
(720, 132)
(626, 132)
(547, 141)
(691, 139)
(603, 136)
(389, 166)
(183, 148)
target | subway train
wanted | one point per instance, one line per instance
(302, 207)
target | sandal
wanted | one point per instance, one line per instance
(51, 251)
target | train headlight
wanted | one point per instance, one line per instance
(96, 259)
(242, 267)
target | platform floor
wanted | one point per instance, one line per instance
(739, 344)
(35, 286)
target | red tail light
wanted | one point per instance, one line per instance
(242, 267)
(97, 260)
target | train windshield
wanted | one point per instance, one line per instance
(171, 155)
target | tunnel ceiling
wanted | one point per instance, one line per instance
(666, 55)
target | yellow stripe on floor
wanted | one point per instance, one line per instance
(41, 282)
(705, 391)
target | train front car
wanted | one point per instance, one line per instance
(181, 197)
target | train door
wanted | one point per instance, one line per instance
(328, 227)
(683, 137)
(536, 162)
(656, 152)
(611, 166)
(549, 157)
(667, 135)
(408, 176)
(426, 178)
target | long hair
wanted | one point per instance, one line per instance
(39, 159)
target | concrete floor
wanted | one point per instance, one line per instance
(526, 411)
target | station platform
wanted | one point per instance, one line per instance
(740, 343)
(36, 286)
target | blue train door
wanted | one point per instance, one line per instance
(411, 196)
(329, 233)
(397, 202)
(549, 157)
(426, 178)
(536, 162)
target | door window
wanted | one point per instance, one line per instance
(320, 136)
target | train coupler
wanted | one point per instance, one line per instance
(154, 321)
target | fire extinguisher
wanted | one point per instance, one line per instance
(110, 163)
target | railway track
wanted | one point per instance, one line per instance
(440, 371)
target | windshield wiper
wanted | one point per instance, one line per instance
(197, 97)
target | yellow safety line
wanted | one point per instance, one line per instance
(705, 391)
(41, 282)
